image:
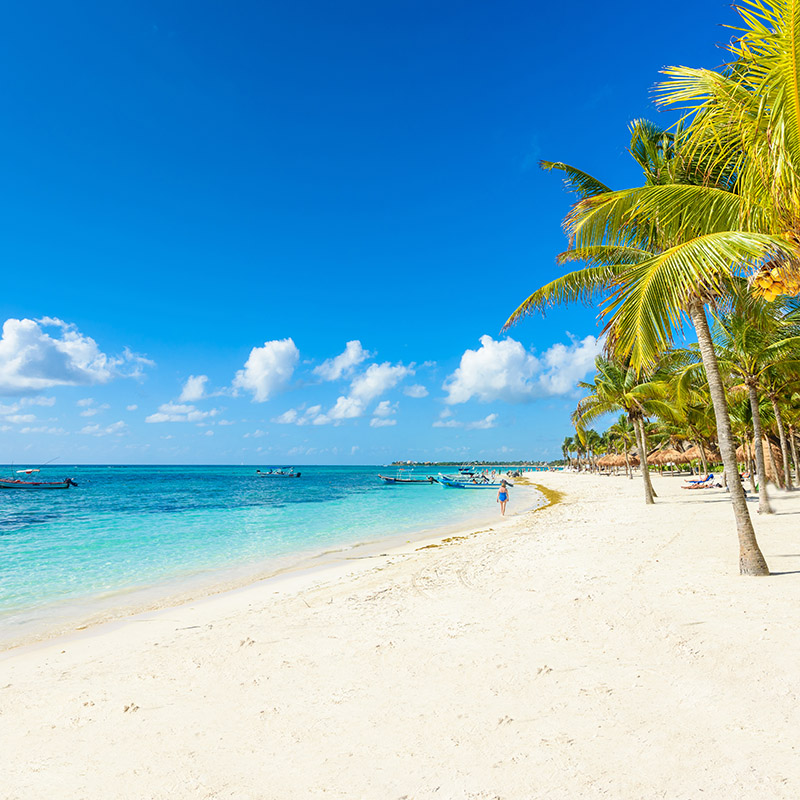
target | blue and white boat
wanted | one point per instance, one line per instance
(477, 482)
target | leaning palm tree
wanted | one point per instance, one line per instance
(656, 254)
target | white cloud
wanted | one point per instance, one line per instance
(417, 390)
(257, 434)
(176, 412)
(298, 416)
(385, 409)
(87, 401)
(377, 379)
(92, 410)
(444, 421)
(382, 415)
(344, 363)
(565, 365)
(49, 431)
(287, 418)
(97, 430)
(268, 369)
(20, 418)
(225, 422)
(32, 358)
(488, 421)
(131, 407)
(505, 370)
(347, 408)
(379, 422)
(209, 433)
(194, 389)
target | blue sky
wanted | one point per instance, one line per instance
(204, 203)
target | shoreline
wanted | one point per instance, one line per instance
(112, 609)
(596, 647)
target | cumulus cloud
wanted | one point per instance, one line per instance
(132, 407)
(194, 389)
(40, 354)
(344, 363)
(377, 379)
(20, 418)
(382, 415)
(177, 412)
(287, 418)
(347, 408)
(298, 416)
(89, 407)
(97, 430)
(379, 422)
(416, 391)
(268, 369)
(446, 421)
(385, 409)
(505, 370)
(488, 421)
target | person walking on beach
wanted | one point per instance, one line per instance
(502, 497)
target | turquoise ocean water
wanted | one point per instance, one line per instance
(131, 528)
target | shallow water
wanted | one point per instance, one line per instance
(129, 528)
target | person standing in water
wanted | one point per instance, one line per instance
(502, 497)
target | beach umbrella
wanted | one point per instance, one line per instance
(671, 456)
(693, 453)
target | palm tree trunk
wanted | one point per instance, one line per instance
(763, 499)
(646, 450)
(772, 464)
(628, 470)
(702, 452)
(787, 476)
(751, 559)
(751, 464)
(648, 487)
(794, 455)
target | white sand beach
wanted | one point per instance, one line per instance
(595, 648)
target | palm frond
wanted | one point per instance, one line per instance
(576, 180)
(583, 285)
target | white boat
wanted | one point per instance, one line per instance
(478, 482)
(284, 472)
(406, 476)
(18, 483)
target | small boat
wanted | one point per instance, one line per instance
(479, 482)
(18, 483)
(403, 479)
(284, 472)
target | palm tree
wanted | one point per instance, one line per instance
(617, 386)
(656, 253)
(622, 436)
(752, 337)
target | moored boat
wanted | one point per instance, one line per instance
(480, 482)
(387, 479)
(284, 472)
(18, 483)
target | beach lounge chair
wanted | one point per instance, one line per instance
(709, 484)
(708, 477)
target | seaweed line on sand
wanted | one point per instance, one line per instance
(553, 496)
